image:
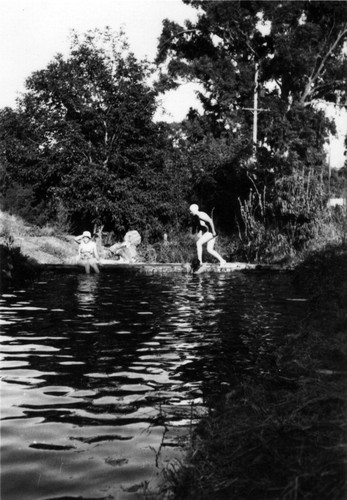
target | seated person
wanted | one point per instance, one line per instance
(126, 250)
(87, 253)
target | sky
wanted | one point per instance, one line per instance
(32, 32)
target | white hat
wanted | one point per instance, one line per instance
(86, 234)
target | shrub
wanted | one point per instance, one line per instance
(11, 225)
(292, 223)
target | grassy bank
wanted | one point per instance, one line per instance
(23, 246)
(45, 245)
(282, 436)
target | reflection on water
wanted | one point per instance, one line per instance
(101, 374)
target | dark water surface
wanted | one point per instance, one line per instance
(101, 375)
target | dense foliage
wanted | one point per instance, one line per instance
(84, 139)
(291, 53)
(82, 146)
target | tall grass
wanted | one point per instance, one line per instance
(262, 241)
(13, 226)
(16, 226)
(18, 238)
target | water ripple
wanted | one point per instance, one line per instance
(101, 375)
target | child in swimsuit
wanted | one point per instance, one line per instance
(206, 233)
(87, 253)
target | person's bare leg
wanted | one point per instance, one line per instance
(201, 241)
(213, 252)
(95, 268)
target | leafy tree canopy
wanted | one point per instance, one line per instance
(297, 48)
(299, 44)
(84, 137)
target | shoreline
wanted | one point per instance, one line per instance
(168, 268)
(282, 436)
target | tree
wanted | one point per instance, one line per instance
(84, 137)
(296, 48)
(298, 45)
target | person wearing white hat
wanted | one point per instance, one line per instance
(206, 233)
(87, 253)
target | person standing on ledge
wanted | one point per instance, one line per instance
(206, 233)
(87, 253)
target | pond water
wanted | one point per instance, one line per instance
(102, 375)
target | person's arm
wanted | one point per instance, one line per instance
(195, 224)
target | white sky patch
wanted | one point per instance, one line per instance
(336, 150)
(178, 102)
(32, 32)
(263, 26)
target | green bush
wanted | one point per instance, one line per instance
(289, 223)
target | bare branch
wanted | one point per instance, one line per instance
(317, 73)
(175, 36)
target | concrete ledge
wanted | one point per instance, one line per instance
(166, 268)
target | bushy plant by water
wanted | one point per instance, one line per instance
(281, 221)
